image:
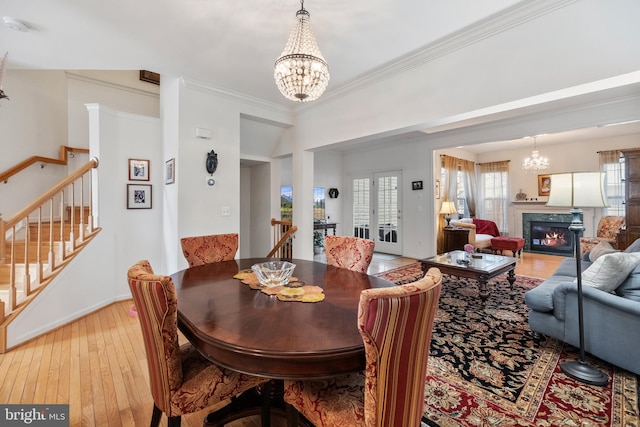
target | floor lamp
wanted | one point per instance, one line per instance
(579, 190)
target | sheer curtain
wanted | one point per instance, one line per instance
(468, 169)
(494, 187)
(448, 186)
(612, 163)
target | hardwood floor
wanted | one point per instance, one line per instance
(97, 364)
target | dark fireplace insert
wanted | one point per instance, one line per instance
(551, 237)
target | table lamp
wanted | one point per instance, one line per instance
(447, 209)
(579, 190)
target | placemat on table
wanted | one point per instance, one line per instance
(295, 290)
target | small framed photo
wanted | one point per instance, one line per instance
(170, 171)
(138, 196)
(416, 185)
(544, 185)
(138, 170)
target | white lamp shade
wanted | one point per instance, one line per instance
(448, 208)
(578, 189)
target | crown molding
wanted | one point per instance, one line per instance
(200, 86)
(498, 23)
(111, 85)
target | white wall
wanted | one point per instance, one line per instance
(328, 173)
(118, 90)
(198, 206)
(259, 225)
(414, 159)
(33, 122)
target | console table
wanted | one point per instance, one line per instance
(325, 226)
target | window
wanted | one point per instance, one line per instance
(612, 163)
(361, 190)
(460, 199)
(494, 184)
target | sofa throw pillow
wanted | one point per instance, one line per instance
(600, 249)
(630, 288)
(610, 270)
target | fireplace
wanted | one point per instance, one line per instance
(551, 237)
(548, 233)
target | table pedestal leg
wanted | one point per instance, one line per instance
(265, 401)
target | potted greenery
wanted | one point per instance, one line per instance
(318, 242)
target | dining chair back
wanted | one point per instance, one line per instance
(396, 325)
(353, 253)
(181, 380)
(201, 250)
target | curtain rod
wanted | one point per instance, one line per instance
(498, 161)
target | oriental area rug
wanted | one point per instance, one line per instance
(486, 368)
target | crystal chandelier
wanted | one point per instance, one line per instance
(535, 162)
(301, 73)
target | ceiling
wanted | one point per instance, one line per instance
(228, 44)
(232, 45)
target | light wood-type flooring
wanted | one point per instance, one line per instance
(97, 364)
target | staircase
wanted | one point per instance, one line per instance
(39, 241)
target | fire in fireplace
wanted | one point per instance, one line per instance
(551, 237)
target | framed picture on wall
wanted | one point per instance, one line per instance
(138, 170)
(544, 185)
(416, 185)
(170, 171)
(138, 196)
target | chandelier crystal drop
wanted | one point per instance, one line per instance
(301, 72)
(535, 163)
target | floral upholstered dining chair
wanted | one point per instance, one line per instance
(396, 325)
(201, 250)
(352, 253)
(181, 380)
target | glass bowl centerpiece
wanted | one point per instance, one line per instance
(273, 273)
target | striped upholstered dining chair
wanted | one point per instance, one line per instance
(396, 325)
(199, 250)
(181, 380)
(352, 253)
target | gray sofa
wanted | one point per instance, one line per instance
(611, 319)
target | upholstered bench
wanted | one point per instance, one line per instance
(513, 244)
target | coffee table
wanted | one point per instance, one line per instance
(481, 267)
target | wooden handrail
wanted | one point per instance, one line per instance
(61, 160)
(93, 163)
(39, 241)
(282, 233)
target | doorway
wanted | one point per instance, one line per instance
(376, 210)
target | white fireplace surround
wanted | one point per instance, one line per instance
(588, 217)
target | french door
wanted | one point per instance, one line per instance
(376, 210)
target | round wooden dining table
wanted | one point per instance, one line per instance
(246, 330)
